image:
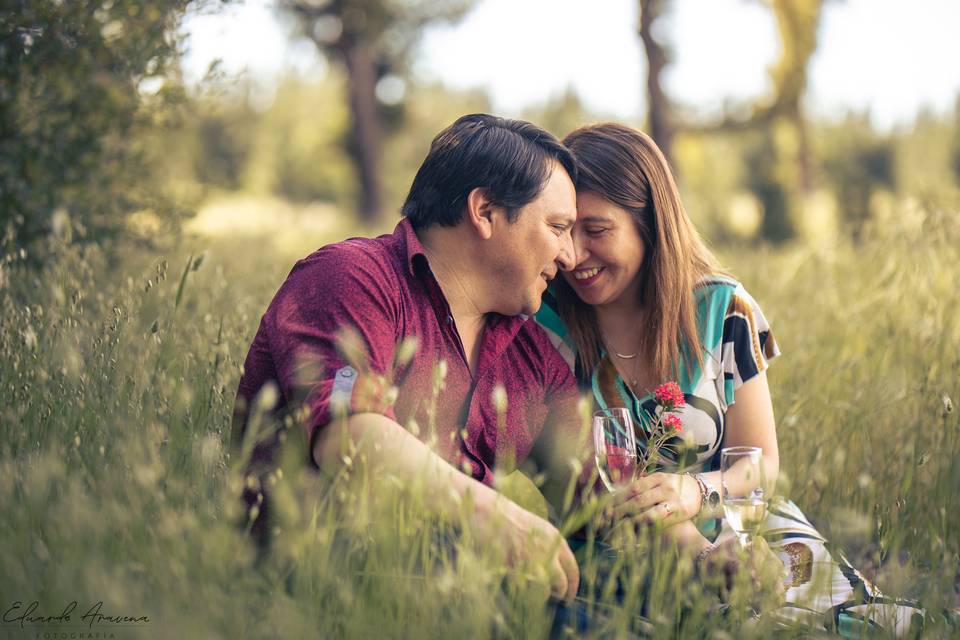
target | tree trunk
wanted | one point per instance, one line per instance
(658, 105)
(797, 22)
(365, 124)
(804, 162)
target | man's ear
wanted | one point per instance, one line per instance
(480, 212)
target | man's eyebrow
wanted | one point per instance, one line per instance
(593, 218)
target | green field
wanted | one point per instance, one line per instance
(117, 483)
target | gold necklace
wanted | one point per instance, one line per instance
(635, 379)
(622, 356)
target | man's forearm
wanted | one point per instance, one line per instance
(387, 446)
(391, 448)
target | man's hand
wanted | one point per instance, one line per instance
(494, 519)
(527, 536)
(755, 571)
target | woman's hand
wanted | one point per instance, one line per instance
(664, 498)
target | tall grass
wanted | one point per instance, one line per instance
(117, 483)
(865, 394)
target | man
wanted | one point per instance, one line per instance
(487, 224)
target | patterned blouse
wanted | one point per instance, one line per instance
(737, 345)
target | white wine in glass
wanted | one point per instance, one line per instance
(744, 504)
(615, 447)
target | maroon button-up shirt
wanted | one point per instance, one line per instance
(383, 290)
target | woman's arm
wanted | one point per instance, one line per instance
(750, 423)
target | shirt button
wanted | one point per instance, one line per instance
(449, 319)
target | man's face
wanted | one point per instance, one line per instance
(528, 252)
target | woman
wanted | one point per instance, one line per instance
(647, 303)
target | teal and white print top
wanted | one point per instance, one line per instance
(737, 344)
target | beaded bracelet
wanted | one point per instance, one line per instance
(703, 490)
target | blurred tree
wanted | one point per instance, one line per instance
(427, 110)
(658, 56)
(561, 115)
(296, 150)
(924, 160)
(955, 152)
(797, 22)
(373, 40)
(857, 161)
(78, 79)
(762, 178)
(223, 132)
(713, 181)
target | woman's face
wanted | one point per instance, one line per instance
(609, 252)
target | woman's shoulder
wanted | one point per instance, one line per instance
(731, 315)
(716, 284)
(722, 294)
(713, 295)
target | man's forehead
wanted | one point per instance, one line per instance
(565, 215)
(561, 193)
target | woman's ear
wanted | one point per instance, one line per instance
(480, 212)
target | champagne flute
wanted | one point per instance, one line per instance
(741, 477)
(616, 447)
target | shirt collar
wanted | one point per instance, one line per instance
(411, 244)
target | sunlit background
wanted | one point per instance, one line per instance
(772, 113)
(873, 54)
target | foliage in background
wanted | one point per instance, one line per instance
(289, 148)
(857, 163)
(560, 115)
(292, 148)
(73, 83)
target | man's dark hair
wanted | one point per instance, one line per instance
(509, 158)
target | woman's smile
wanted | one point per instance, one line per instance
(586, 277)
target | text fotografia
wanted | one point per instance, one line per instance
(28, 615)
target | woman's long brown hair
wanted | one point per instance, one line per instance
(625, 167)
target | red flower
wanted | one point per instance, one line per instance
(672, 422)
(669, 395)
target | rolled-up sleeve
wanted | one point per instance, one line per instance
(328, 338)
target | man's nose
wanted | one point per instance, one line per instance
(579, 248)
(567, 258)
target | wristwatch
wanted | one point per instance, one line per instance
(709, 496)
